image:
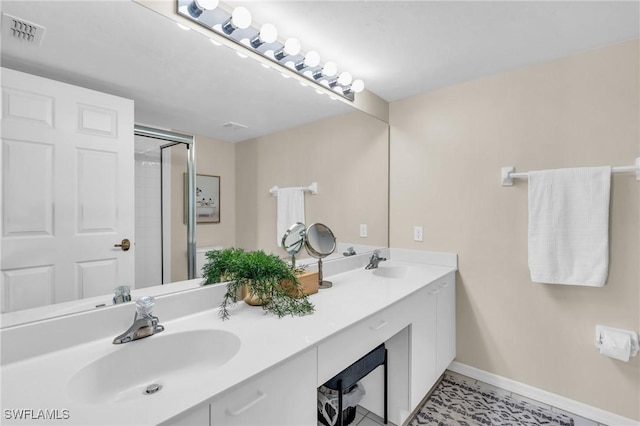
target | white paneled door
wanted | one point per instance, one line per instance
(67, 192)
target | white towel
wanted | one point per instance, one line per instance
(290, 210)
(569, 225)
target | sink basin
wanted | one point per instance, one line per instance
(391, 271)
(168, 360)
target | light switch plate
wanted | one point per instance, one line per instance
(363, 230)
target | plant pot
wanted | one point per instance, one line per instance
(249, 298)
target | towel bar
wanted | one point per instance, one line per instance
(507, 174)
(313, 188)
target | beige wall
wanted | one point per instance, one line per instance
(348, 157)
(213, 157)
(447, 148)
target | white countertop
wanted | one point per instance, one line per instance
(41, 382)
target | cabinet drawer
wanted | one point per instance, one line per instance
(351, 344)
(260, 400)
(198, 416)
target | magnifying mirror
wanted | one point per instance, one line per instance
(320, 243)
(293, 240)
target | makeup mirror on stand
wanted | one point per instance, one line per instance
(293, 240)
(320, 243)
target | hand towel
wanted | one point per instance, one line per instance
(569, 225)
(290, 210)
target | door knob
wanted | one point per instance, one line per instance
(124, 245)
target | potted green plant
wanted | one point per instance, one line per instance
(267, 280)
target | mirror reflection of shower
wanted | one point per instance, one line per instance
(159, 201)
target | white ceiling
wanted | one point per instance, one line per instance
(402, 48)
(181, 81)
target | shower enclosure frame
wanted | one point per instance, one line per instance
(174, 138)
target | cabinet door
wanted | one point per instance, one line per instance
(423, 345)
(282, 396)
(446, 324)
(198, 416)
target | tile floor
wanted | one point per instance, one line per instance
(578, 421)
(365, 418)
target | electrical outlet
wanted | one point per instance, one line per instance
(363, 230)
(417, 233)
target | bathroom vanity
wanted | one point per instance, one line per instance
(252, 369)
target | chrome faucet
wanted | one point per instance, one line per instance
(375, 259)
(144, 323)
(350, 252)
(121, 294)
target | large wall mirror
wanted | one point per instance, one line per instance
(252, 128)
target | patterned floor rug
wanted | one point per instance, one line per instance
(454, 402)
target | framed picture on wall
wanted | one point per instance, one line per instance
(207, 199)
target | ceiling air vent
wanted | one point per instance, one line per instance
(234, 126)
(22, 30)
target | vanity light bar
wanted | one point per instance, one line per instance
(237, 27)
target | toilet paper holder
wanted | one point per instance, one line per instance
(635, 346)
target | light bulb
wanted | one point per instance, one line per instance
(241, 17)
(268, 33)
(357, 86)
(196, 7)
(292, 46)
(312, 59)
(330, 69)
(207, 4)
(345, 79)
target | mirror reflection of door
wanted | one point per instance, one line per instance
(157, 164)
(67, 169)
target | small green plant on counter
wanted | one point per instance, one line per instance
(263, 275)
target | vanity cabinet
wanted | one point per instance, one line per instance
(433, 336)
(284, 395)
(423, 345)
(418, 331)
(445, 322)
(421, 342)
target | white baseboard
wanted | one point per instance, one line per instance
(566, 404)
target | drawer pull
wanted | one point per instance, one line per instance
(434, 291)
(261, 396)
(382, 324)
